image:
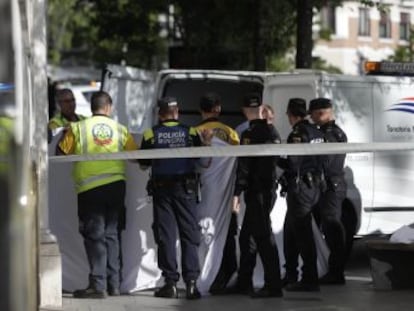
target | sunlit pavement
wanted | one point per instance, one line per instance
(357, 294)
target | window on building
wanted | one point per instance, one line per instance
(328, 19)
(385, 25)
(364, 22)
(405, 26)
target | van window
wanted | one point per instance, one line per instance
(189, 91)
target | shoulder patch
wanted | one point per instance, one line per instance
(148, 134)
(192, 131)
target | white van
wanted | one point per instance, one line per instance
(369, 109)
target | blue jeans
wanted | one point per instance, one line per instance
(99, 211)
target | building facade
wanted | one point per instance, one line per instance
(348, 35)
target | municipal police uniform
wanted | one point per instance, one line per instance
(256, 176)
(101, 191)
(328, 209)
(303, 175)
(173, 186)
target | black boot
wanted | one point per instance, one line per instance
(89, 292)
(267, 292)
(169, 290)
(302, 287)
(241, 288)
(289, 280)
(192, 290)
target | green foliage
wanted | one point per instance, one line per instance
(405, 53)
(128, 31)
(321, 64)
(105, 31)
(232, 34)
(280, 63)
(69, 27)
(325, 34)
(379, 4)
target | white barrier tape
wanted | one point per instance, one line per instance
(236, 151)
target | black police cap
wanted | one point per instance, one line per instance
(297, 107)
(252, 100)
(208, 101)
(319, 103)
(167, 102)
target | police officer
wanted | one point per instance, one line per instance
(210, 108)
(330, 204)
(67, 106)
(256, 177)
(302, 174)
(174, 190)
(101, 191)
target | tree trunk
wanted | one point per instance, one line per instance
(304, 34)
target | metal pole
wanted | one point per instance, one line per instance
(18, 227)
(50, 268)
(6, 75)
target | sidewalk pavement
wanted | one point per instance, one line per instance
(357, 294)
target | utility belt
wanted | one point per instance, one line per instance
(334, 182)
(190, 182)
(172, 179)
(310, 179)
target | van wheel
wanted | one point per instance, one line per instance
(350, 222)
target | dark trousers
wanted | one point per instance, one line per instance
(98, 211)
(298, 233)
(175, 208)
(228, 264)
(256, 236)
(328, 211)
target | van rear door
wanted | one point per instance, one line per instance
(353, 106)
(279, 88)
(189, 85)
(132, 92)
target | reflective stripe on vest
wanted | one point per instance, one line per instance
(96, 178)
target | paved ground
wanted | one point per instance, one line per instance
(357, 294)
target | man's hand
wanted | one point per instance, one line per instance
(206, 136)
(236, 205)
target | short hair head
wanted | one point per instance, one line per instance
(63, 95)
(252, 100)
(209, 101)
(100, 100)
(297, 107)
(319, 103)
(167, 105)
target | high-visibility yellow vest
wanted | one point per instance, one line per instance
(98, 134)
(60, 121)
(6, 130)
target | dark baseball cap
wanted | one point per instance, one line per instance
(167, 102)
(319, 103)
(208, 101)
(252, 100)
(297, 107)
